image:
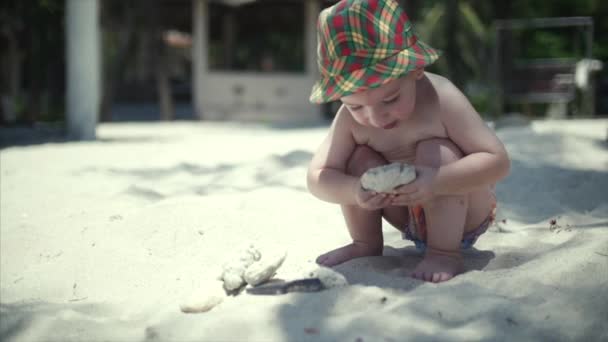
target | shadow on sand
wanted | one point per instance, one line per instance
(42, 321)
(523, 195)
(41, 134)
(208, 180)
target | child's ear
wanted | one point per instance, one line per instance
(419, 73)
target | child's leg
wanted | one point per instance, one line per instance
(364, 226)
(447, 216)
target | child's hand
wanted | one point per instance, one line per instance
(372, 200)
(417, 192)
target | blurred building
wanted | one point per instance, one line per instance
(255, 59)
(230, 59)
(219, 59)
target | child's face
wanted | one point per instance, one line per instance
(386, 106)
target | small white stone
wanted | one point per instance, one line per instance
(328, 277)
(263, 270)
(233, 271)
(387, 177)
(233, 281)
(204, 299)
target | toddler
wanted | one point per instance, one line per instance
(370, 59)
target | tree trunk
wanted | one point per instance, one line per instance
(118, 65)
(503, 54)
(165, 100)
(13, 68)
(452, 53)
(163, 85)
(111, 77)
(34, 74)
(411, 8)
(503, 9)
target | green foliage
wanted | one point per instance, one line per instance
(37, 26)
(465, 35)
(467, 45)
(52, 6)
(597, 9)
(261, 41)
(546, 44)
(471, 35)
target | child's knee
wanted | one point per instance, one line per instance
(363, 159)
(437, 152)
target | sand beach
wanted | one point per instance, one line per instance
(103, 240)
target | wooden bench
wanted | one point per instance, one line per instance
(549, 80)
(542, 81)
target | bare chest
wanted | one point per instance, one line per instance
(399, 144)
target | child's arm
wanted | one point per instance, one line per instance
(485, 160)
(326, 176)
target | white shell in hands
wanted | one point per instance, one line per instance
(387, 177)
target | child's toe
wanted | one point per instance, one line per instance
(441, 277)
(435, 278)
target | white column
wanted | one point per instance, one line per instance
(200, 19)
(83, 67)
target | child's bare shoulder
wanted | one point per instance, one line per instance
(447, 94)
(344, 121)
(343, 117)
(446, 98)
(459, 118)
(441, 87)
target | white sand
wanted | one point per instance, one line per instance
(102, 240)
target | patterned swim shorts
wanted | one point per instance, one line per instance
(416, 229)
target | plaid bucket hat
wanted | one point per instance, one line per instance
(364, 44)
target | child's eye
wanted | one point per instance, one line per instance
(354, 107)
(394, 99)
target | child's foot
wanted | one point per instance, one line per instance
(438, 266)
(351, 251)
